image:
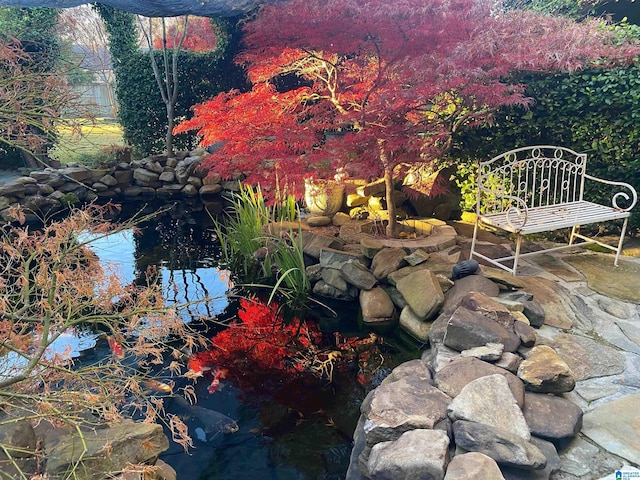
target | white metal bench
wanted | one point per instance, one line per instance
(538, 189)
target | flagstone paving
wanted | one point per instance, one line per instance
(593, 322)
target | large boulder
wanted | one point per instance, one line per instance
(185, 168)
(467, 329)
(412, 367)
(313, 243)
(407, 457)
(463, 286)
(452, 378)
(504, 447)
(544, 371)
(455, 295)
(551, 417)
(78, 174)
(145, 178)
(407, 404)
(489, 400)
(473, 465)
(489, 307)
(388, 261)
(422, 292)
(376, 306)
(415, 325)
(126, 443)
(357, 275)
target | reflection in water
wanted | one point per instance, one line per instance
(170, 245)
(116, 253)
(295, 433)
(190, 287)
(182, 256)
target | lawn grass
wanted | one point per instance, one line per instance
(85, 143)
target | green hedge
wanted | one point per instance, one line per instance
(142, 113)
(596, 112)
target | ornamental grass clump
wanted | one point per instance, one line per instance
(263, 243)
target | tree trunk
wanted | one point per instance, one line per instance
(168, 85)
(170, 122)
(113, 103)
(35, 160)
(392, 226)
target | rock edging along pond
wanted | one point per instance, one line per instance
(484, 401)
(50, 190)
(493, 396)
(485, 393)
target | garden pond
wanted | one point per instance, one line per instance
(286, 430)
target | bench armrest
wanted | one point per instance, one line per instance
(631, 196)
(516, 209)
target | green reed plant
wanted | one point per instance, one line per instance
(292, 283)
(263, 243)
(242, 233)
(285, 208)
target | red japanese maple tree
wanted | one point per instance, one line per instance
(376, 87)
(201, 35)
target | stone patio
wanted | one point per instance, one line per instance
(593, 322)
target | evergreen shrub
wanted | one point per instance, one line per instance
(594, 111)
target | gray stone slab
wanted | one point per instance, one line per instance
(631, 330)
(555, 299)
(615, 426)
(613, 307)
(626, 472)
(583, 460)
(621, 282)
(557, 267)
(586, 357)
(595, 391)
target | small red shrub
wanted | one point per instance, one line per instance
(260, 344)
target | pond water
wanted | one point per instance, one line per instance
(286, 431)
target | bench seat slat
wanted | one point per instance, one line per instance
(555, 217)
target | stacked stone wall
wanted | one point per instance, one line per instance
(46, 191)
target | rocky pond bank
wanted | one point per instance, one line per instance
(50, 190)
(533, 377)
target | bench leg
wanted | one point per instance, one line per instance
(517, 255)
(619, 250)
(574, 230)
(473, 240)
